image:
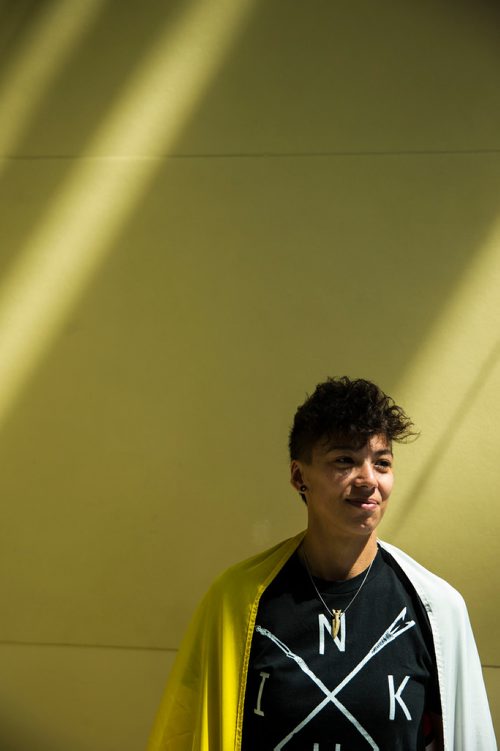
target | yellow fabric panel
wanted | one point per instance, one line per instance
(189, 714)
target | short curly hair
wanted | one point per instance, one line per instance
(351, 409)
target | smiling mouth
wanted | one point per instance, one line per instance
(366, 504)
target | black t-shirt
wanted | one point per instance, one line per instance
(368, 688)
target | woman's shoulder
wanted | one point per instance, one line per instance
(260, 567)
(428, 584)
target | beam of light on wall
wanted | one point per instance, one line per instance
(445, 377)
(95, 200)
(47, 46)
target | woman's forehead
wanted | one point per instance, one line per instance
(378, 442)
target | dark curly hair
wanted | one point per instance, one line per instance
(351, 409)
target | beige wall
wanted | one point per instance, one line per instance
(206, 208)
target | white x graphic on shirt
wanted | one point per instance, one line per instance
(397, 627)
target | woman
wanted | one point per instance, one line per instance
(332, 640)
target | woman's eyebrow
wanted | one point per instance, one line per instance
(335, 447)
(379, 452)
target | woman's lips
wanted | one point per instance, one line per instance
(367, 504)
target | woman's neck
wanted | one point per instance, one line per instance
(340, 558)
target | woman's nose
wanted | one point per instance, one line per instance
(366, 475)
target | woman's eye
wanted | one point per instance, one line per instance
(343, 460)
(384, 464)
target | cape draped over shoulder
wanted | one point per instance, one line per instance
(202, 708)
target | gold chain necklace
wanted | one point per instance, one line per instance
(335, 614)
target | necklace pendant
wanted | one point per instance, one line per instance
(336, 622)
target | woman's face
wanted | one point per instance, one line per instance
(347, 488)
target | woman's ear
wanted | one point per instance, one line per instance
(296, 477)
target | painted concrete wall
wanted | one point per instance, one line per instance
(206, 208)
